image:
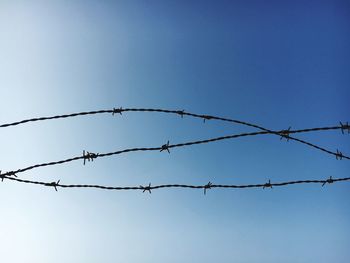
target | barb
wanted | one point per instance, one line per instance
(268, 185)
(344, 127)
(115, 111)
(149, 188)
(90, 156)
(285, 134)
(165, 147)
(146, 188)
(206, 117)
(207, 186)
(11, 173)
(339, 155)
(54, 184)
(181, 113)
(328, 181)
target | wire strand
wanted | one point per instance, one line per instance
(177, 112)
(91, 156)
(207, 186)
(282, 133)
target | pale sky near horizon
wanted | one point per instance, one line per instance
(276, 64)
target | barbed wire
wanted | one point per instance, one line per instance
(342, 126)
(283, 133)
(149, 187)
(90, 156)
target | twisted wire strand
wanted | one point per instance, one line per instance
(55, 117)
(283, 133)
(207, 186)
(177, 112)
(166, 147)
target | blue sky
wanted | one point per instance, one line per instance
(276, 64)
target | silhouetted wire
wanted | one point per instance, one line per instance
(207, 186)
(343, 127)
(284, 133)
(182, 113)
(88, 156)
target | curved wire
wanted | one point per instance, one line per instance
(177, 112)
(91, 156)
(282, 133)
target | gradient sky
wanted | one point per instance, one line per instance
(276, 64)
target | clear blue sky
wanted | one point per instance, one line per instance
(277, 64)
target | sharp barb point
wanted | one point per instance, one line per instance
(268, 185)
(89, 156)
(115, 111)
(207, 186)
(330, 180)
(344, 127)
(165, 147)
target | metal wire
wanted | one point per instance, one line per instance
(88, 156)
(283, 133)
(182, 113)
(205, 187)
(342, 127)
